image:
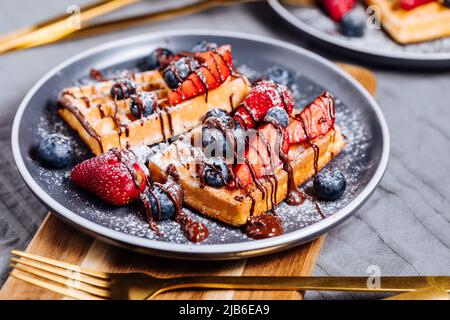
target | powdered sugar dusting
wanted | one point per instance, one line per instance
(131, 219)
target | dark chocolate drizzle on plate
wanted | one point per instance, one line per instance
(263, 226)
(193, 230)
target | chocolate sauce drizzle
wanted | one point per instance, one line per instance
(264, 226)
(193, 230)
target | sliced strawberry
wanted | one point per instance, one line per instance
(114, 176)
(262, 155)
(175, 97)
(214, 70)
(315, 120)
(337, 9)
(244, 117)
(411, 4)
(208, 78)
(225, 52)
(222, 65)
(192, 87)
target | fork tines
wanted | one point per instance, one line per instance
(60, 277)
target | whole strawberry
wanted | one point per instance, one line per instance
(411, 4)
(264, 96)
(337, 9)
(114, 176)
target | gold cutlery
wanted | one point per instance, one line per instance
(58, 28)
(430, 293)
(80, 283)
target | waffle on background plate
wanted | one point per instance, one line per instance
(423, 23)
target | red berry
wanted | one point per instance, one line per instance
(262, 97)
(336, 9)
(215, 69)
(262, 154)
(411, 4)
(317, 119)
(114, 176)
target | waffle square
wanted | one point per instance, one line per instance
(424, 23)
(104, 123)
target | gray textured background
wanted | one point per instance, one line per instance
(404, 228)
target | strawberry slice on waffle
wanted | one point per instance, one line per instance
(215, 68)
(315, 120)
(263, 153)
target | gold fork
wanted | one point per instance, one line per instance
(80, 283)
(58, 28)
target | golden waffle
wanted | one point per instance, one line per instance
(426, 22)
(104, 123)
(234, 206)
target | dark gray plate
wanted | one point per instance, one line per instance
(363, 161)
(376, 46)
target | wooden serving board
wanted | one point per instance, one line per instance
(56, 239)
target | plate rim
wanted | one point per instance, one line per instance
(322, 36)
(205, 251)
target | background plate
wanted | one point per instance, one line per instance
(363, 161)
(376, 46)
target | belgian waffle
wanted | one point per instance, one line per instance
(234, 206)
(104, 123)
(426, 22)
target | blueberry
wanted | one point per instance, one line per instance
(279, 75)
(353, 24)
(278, 115)
(159, 58)
(203, 46)
(171, 79)
(213, 142)
(185, 66)
(177, 71)
(143, 104)
(329, 185)
(162, 207)
(220, 114)
(446, 3)
(123, 89)
(216, 173)
(55, 151)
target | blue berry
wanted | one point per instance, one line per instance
(329, 185)
(213, 142)
(55, 151)
(216, 173)
(279, 75)
(177, 71)
(446, 3)
(162, 207)
(143, 104)
(185, 66)
(220, 114)
(353, 24)
(171, 79)
(278, 115)
(122, 89)
(159, 58)
(203, 46)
